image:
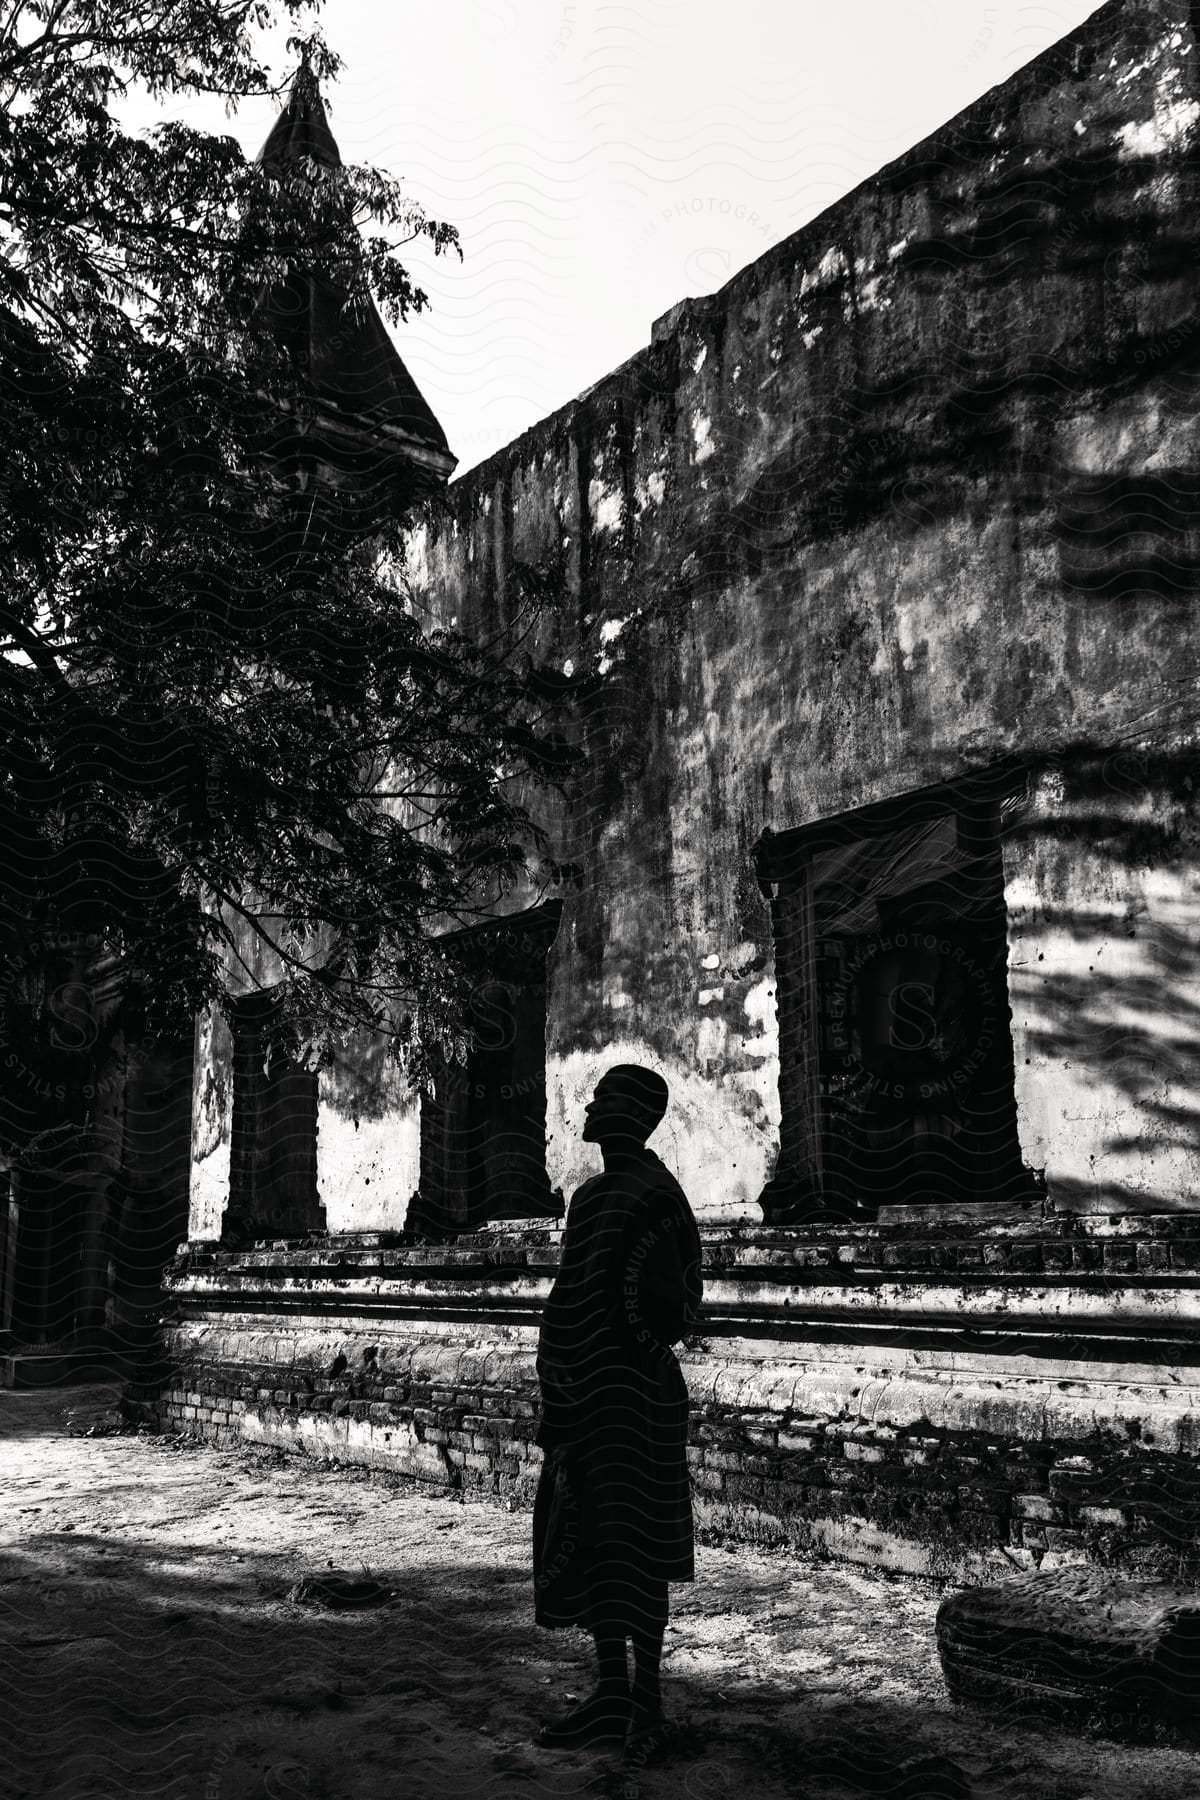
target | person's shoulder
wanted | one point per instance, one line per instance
(658, 1172)
(662, 1184)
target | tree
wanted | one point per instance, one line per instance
(216, 700)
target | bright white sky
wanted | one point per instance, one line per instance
(602, 160)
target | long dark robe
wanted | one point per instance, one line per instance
(613, 1514)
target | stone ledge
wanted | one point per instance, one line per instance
(923, 1241)
(1152, 1316)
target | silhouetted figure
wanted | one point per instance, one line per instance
(612, 1522)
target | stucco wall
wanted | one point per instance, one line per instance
(212, 1119)
(368, 1141)
(1104, 983)
(368, 1137)
(914, 491)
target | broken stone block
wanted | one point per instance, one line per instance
(1117, 1656)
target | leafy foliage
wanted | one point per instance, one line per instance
(221, 721)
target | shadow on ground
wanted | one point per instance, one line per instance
(149, 1646)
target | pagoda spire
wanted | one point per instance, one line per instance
(355, 372)
(302, 128)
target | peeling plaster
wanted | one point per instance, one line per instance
(872, 296)
(1150, 137)
(606, 507)
(763, 1046)
(417, 555)
(831, 266)
(710, 1042)
(909, 635)
(368, 1171)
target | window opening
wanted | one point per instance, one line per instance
(483, 1129)
(896, 1073)
(273, 1148)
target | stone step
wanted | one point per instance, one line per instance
(1112, 1655)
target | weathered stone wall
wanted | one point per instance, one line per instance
(951, 1398)
(914, 491)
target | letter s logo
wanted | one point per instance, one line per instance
(71, 1008)
(493, 1016)
(913, 1021)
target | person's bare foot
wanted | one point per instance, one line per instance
(601, 1719)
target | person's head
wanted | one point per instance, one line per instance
(629, 1102)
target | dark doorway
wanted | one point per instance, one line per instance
(94, 1121)
(60, 1123)
(483, 1129)
(273, 1136)
(896, 1075)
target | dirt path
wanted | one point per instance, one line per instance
(148, 1646)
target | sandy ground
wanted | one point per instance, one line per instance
(149, 1646)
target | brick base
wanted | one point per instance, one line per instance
(899, 1448)
(924, 1499)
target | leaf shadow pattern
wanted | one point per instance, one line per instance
(135, 1667)
(1117, 1002)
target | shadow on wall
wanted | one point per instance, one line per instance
(1044, 283)
(1107, 975)
(362, 1081)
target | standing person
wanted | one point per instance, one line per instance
(612, 1522)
